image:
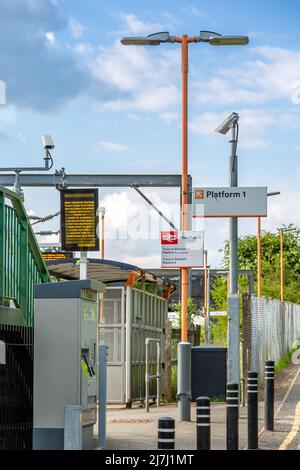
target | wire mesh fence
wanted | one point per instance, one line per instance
(275, 327)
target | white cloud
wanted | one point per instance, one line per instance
(169, 116)
(134, 25)
(151, 100)
(76, 28)
(113, 147)
(270, 75)
(83, 48)
(51, 40)
(142, 81)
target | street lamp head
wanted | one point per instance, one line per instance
(151, 40)
(230, 121)
(216, 39)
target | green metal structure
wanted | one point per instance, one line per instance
(21, 266)
(21, 263)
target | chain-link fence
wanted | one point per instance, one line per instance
(274, 326)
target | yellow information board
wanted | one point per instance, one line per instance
(79, 219)
(56, 255)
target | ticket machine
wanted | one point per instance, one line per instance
(65, 359)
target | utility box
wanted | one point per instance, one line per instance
(209, 364)
(65, 359)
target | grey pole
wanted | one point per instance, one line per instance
(208, 307)
(233, 300)
(102, 377)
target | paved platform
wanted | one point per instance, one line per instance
(134, 429)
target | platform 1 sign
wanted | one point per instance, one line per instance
(79, 219)
(230, 202)
(182, 249)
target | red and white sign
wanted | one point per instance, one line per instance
(169, 238)
(182, 249)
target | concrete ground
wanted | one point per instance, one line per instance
(134, 429)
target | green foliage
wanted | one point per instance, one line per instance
(270, 262)
(191, 310)
(219, 331)
(219, 293)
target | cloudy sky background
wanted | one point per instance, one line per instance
(116, 109)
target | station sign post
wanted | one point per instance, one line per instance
(230, 202)
(182, 249)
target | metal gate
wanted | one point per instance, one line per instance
(21, 266)
(127, 316)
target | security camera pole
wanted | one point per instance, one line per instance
(48, 145)
(214, 39)
(233, 372)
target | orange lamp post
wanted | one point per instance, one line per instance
(156, 39)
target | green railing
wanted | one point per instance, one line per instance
(21, 263)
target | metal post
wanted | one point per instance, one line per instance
(83, 264)
(102, 378)
(184, 381)
(259, 257)
(233, 339)
(252, 410)
(208, 307)
(72, 428)
(232, 416)
(147, 378)
(128, 346)
(203, 423)
(158, 372)
(184, 351)
(233, 303)
(166, 433)
(281, 268)
(205, 297)
(269, 395)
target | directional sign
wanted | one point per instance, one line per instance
(230, 202)
(182, 249)
(79, 219)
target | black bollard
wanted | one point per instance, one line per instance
(166, 433)
(203, 423)
(269, 395)
(252, 410)
(232, 416)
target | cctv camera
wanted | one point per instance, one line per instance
(47, 142)
(228, 123)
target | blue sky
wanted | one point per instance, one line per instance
(112, 109)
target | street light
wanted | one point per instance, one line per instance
(215, 39)
(231, 124)
(184, 348)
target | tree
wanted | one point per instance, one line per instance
(191, 310)
(270, 262)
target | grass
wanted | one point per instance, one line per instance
(284, 361)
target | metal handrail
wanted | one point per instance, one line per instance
(157, 376)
